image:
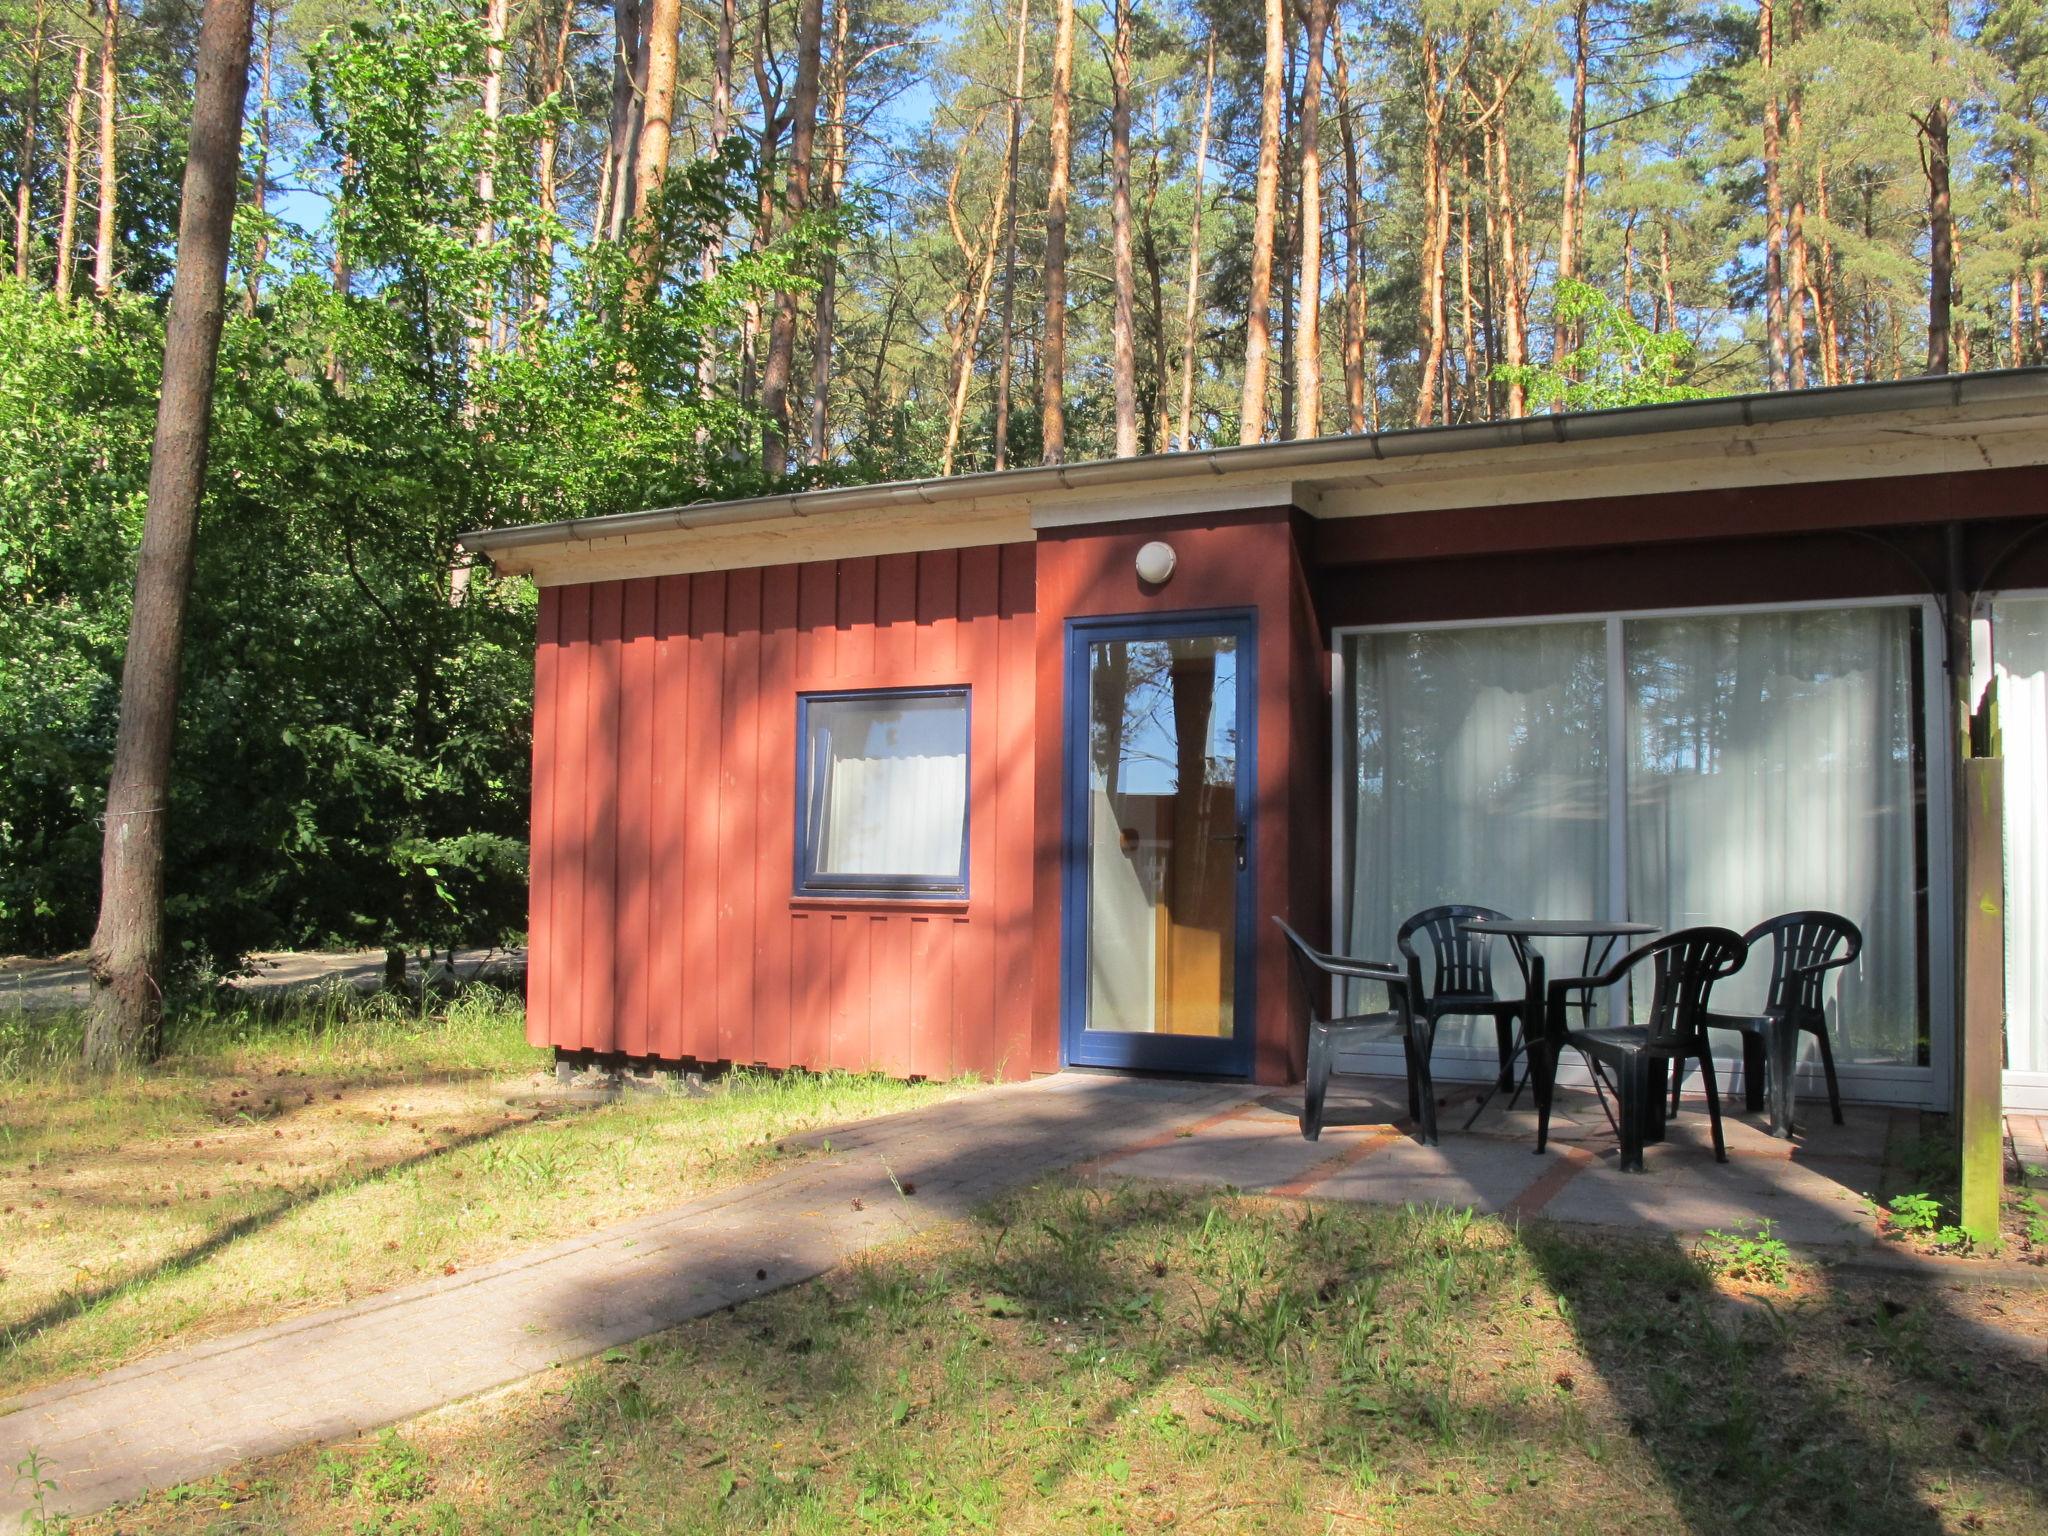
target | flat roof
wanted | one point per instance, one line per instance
(1958, 422)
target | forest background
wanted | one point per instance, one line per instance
(546, 258)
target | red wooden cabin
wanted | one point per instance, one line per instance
(930, 778)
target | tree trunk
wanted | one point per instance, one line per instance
(1156, 417)
(972, 307)
(1514, 330)
(554, 70)
(1192, 308)
(1308, 330)
(1469, 328)
(721, 126)
(1008, 343)
(1564, 338)
(483, 323)
(650, 162)
(1667, 296)
(629, 81)
(1940, 234)
(1123, 320)
(1053, 351)
(124, 1024)
(810, 36)
(1436, 231)
(1251, 425)
(836, 86)
(1774, 202)
(1354, 248)
(259, 181)
(25, 165)
(103, 246)
(74, 135)
(1825, 303)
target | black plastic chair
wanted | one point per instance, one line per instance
(1805, 946)
(1326, 1036)
(1464, 976)
(1686, 966)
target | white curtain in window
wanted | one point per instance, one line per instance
(894, 798)
(2019, 648)
(1480, 760)
(1771, 768)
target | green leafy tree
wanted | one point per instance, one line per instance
(1618, 361)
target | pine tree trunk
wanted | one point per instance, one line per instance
(971, 309)
(651, 143)
(629, 81)
(721, 126)
(1514, 330)
(483, 322)
(1436, 232)
(124, 1022)
(1774, 203)
(103, 244)
(259, 181)
(547, 154)
(1006, 348)
(1940, 231)
(1470, 330)
(1308, 332)
(67, 209)
(1123, 321)
(775, 377)
(828, 277)
(1667, 296)
(1565, 338)
(1191, 310)
(25, 164)
(1825, 301)
(1251, 425)
(1354, 246)
(1053, 351)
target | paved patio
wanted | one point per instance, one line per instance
(1814, 1190)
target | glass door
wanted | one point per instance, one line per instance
(1158, 853)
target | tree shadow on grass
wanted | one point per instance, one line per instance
(1851, 1402)
(72, 1304)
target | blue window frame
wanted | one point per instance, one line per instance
(882, 790)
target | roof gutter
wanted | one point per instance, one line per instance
(1571, 427)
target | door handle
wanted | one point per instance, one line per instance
(1236, 837)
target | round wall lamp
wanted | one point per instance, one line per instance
(1155, 562)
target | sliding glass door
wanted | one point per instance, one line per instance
(1685, 768)
(2019, 655)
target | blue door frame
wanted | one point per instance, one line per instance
(1192, 1054)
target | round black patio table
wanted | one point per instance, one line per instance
(1535, 1015)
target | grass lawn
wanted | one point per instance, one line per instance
(1129, 1359)
(280, 1159)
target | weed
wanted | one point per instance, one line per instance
(395, 1472)
(1745, 1255)
(1916, 1213)
(31, 1475)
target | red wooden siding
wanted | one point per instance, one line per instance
(663, 923)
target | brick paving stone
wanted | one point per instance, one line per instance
(186, 1414)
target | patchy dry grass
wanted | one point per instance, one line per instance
(1140, 1360)
(284, 1159)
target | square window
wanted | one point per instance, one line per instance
(882, 793)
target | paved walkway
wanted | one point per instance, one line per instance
(182, 1416)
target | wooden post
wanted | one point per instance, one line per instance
(1980, 1037)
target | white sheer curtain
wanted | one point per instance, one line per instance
(1480, 760)
(891, 785)
(1771, 768)
(2019, 648)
